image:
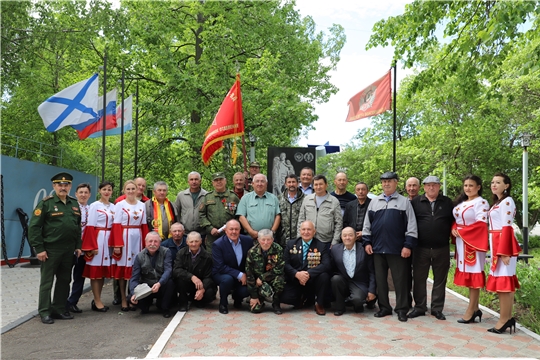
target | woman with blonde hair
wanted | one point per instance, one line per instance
(127, 239)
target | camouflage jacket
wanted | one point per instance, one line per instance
(289, 217)
(271, 271)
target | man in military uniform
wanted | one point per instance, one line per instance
(217, 207)
(265, 272)
(55, 233)
(290, 202)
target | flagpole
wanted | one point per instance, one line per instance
(104, 116)
(244, 151)
(136, 130)
(394, 108)
(122, 135)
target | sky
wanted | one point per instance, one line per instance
(357, 68)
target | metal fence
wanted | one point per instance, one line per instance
(27, 149)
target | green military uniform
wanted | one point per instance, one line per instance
(289, 216)
(214, 212)
(270, 269)
(55, 227)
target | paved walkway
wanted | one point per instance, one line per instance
(206, 332)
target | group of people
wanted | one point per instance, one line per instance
(307, 247)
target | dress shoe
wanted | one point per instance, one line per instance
(238, 304)
(471, 320)
(415, 313)
(277, 308)
(223, 309)
(166, 314)
(358, 309)
(95, 308)
(116, 302)
(338, 312)
(371, 304)
(439, 315)
(64, 316)
(402, 316)
(183, 307)
(319, 309)
(74, 309)
(509, 324)
(382, 313)
(47, 320)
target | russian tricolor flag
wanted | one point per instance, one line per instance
(128, 119)
(96, 125)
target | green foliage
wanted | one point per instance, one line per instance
(184, 57)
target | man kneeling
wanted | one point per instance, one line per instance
(265, 272)
(354, 274)
(193, 273)
(153, 266)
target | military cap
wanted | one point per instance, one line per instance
(218, 175)
(389, 175)
(431, 179)
(62, 178)
(255, 164)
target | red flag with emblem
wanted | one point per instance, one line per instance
(228, 123)
(373, 100)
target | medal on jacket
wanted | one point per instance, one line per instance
(313, 258)
(294, 250)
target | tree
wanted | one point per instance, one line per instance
(184, 57)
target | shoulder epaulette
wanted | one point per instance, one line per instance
(72, 197)
(47, 198)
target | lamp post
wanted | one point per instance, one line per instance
(525, 142)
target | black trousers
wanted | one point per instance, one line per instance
(186, 292)
(164, 297)
(439, 260)
(400, 274)
(78, 280)
(315, 287)
(343, 288)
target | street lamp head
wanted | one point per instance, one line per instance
(526, 139)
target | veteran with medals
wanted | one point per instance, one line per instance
(307, 267)
(217, 207)
(55, 234)
(264, 270)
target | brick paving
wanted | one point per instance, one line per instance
(206, 332)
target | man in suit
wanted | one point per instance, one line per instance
(354, 274)
(192, 273)
(229, 254)
(307, 267)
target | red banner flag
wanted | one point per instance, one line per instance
(228, 123)
(373, 100)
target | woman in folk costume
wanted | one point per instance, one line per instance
(504, 248)
(160, 213)
(471, 233)
(96, 243)
(127, 239)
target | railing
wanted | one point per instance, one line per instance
(22, 148)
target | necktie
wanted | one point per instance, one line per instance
(305, 251)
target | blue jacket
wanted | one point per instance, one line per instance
(224, 257)
(390, 226)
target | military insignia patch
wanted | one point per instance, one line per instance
(37, 212)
